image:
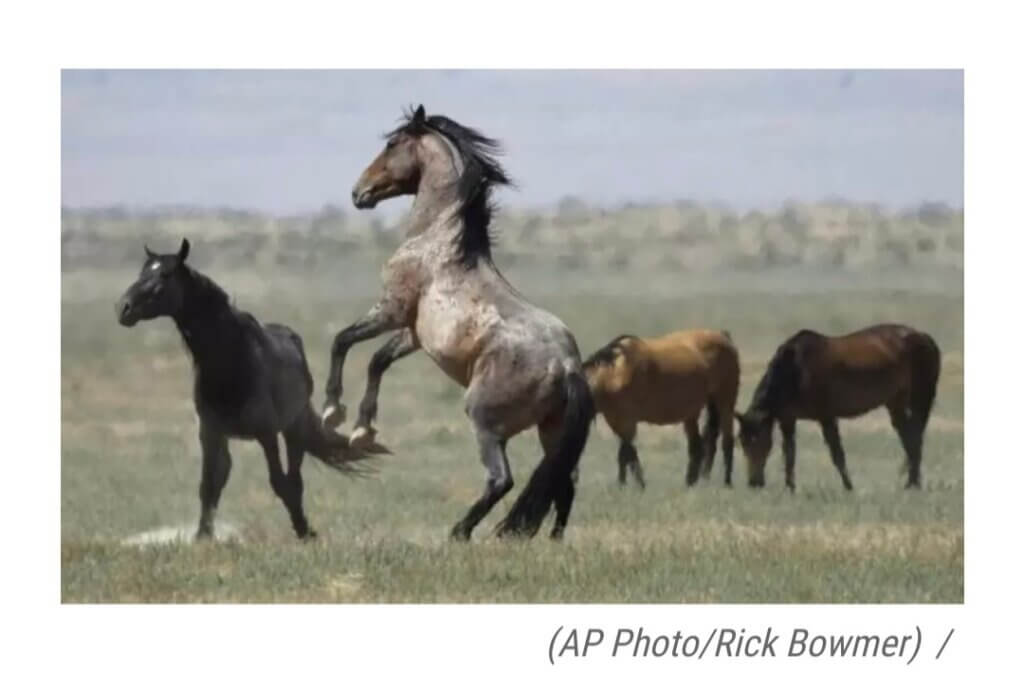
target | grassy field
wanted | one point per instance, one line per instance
(130, 461)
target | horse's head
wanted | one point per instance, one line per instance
(435, 151)
(397, 169)
(159, 289)
(756, 441)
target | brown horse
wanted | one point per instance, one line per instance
(820, 378)
(668, 380)
(519, 364)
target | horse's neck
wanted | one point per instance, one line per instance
(437, 196)
(211, 331)
(433, 217)
(770, 396)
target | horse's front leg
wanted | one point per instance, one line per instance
(380, 319)
(215, 472)
(401, 345)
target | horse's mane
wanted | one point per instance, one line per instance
(207, 293)
(480, 172)
(781, 379)
(208, 300)
(605, 356)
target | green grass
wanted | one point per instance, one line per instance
(130, 464)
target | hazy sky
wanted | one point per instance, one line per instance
(287, 141)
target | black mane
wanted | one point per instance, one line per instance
(214, 331)
(606, 355)
(481, 171)
(781, 380)
(204, 292)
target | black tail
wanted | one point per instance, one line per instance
(927, 362)
(333, 449)
(555, 470)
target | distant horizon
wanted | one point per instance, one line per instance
(291, 142)
(382, 210)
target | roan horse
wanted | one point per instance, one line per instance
(519, 364)
(250, 381)
(667, 380)
(813, 376)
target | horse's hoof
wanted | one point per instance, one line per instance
(334, 415)
(309, 536)
(459, 535)
(362, 438)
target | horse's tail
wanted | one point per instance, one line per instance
(554, 474)
(334, 450)
(926, 362)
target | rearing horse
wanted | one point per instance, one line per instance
(519, 364)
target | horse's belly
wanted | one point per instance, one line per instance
(849, 399)
(669, 399)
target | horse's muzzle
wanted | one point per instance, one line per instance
(363, 199)
(125, 314)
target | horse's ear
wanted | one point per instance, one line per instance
(149, 254)
(420, 116)
(183, 251)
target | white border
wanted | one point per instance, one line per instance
(485, 645)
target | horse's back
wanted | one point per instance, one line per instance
(882, 346)
(849, 375)
(664, 379)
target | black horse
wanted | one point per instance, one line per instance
(251, 381)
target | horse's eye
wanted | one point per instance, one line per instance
(391, 144)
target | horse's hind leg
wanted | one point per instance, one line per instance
(296, 451)
(710, 438)
(401, 345)
(695, 449)
(282, 484)
(788, 428)
(726, 425)
(499, 482)
(830, 429)
(215, 472)
(911, 433)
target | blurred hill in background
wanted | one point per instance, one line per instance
(682, 236)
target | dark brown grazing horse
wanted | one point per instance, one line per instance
(820, 378)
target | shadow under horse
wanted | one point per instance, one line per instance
(519, 364)
(668, 380)
(821, 378)
(251, 381)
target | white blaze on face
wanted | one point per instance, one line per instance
(155, 265)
